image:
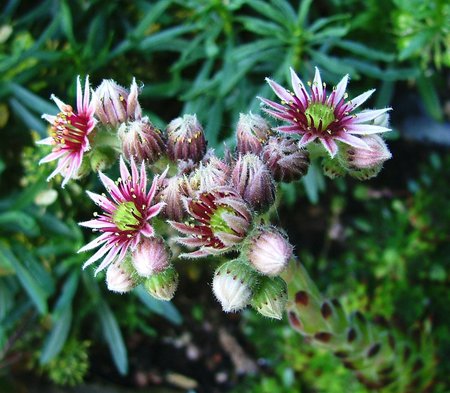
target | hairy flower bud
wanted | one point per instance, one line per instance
(253, 181)
(233, 285)
(141, 140)
(186, 139)
(162, 286)
(284, 159)
(120, 277)
(115, 105)
(269, 251)
(270, 297)
(215, 173)
(172, 191)
(252, 133)
(355, 158)
(151, 256)
(332, 167)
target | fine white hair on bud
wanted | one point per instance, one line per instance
(252, 132)
(269, 251)
(270, 297)
(151, 256)
(119, 278)
(233, 285)
(162, 286)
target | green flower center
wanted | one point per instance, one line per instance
(127, 216)
(317, 112)
(218, 224)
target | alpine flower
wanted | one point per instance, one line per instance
(124, 220)
(328, 118)
(69, 133)
(218, 221)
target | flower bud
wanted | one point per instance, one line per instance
(120, 278)
(252, 133)
(270, 297)
(151, 256)
(233, 285)
(115, 105)
(162, 286)
(186, 139)
(332, 167)
(141, 140)
(102, 158)
(284, 159)
(269, 251)
(355, 158)
(171, 193)
(253, 181)
(215, 173)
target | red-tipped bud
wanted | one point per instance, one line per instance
(356, 158)
(120, 278)
(171, 193)
(115, 105)
(269, 251)
(233, 285)
(162, 286)
(141, 140)
(151, 256)
(253, 181)
(252, 133)
(270, 297)
(186, 139)
(215, 173)
(284, 159)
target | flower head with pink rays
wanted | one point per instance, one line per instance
(125, 215)
(318, 116)
(69, 133)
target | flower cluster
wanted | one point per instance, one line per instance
(218, 206)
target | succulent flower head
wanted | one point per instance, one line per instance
(233, 285)
(218, 221)
(253, 181)
(119, 278)
(124, 220)
(270, 297)
(215, 173)
(328, 118)
(252, 133)
(70, 130)
(163, 285)
(150, 256)
(269, 251)
(186, 139)
(172, 191)
(115, 105)
(141, 140)
(284, 159)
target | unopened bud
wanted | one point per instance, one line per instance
(120, 278)
(270, 297)
(269, 251)
(102, 158)
(253, 181)
(284, 159)
(172, 193)
(141, 140)
(215, 173)
(252, 133)
(332, 167)
(356, 158)
(150, 257)
(186, 139)
(233, 285)
(115, 105)
(162, 286)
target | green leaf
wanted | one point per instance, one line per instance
(164, 38)
(19, 222)
(30, 120)
(28, 282)
(430, 98)
(113, 336)
(364, 51)
(416, 44)
(67, 293)
(314, 183)
(26, 197)
(165, 309)
(66, 21)
(32, 101)
(151, 16)
(57, 337)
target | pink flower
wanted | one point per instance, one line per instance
(328, 118)
(125, 215)
(218, 221)
(69, 133)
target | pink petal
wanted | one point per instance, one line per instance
(357, 101)
(107, 248)
(102, 201)
(299, 88)
(86, 94)
(155, 209)
(104, 237)
(278, 115)
(369, 115)
(306, 138)
(272, 104)
(290, 129)
(124, 172)
(97, 224)
(148, 230)
(59, 103)
(352, 140)
(108, 259)
(365, 129)
(111, 187)
(45, 141)
(53, 156)
(337, 94)
(330, 145)
(317, 86)
(280, 91)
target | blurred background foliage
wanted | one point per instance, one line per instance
(382, 246)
